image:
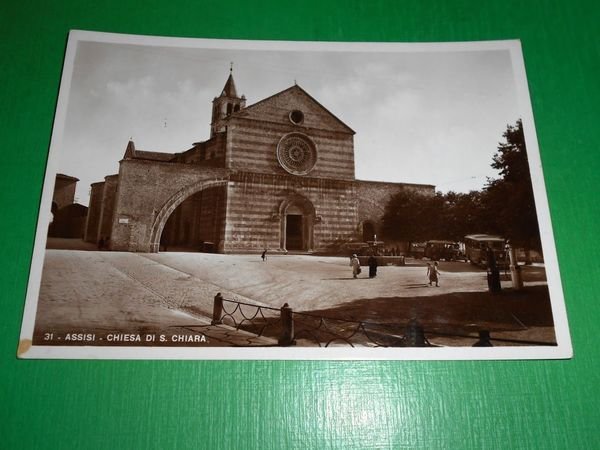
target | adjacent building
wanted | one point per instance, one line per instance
(68, 218)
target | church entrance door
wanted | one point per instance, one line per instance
(293, 232)
(297, 221)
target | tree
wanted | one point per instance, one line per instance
(412, 218)
(510, 199)
(461, 214)
(405, 218)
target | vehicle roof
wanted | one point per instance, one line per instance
(484, 237)
(437, 241)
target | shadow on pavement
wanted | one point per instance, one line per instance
(454, 312)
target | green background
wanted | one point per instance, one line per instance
(312, 404)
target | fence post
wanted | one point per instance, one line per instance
(287, 326)
(484, 339)
(217, 309)
(415, 335)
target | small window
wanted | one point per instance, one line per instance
(236, 108)
(296, 117)
(229, 108)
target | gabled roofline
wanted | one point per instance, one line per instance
(295, 86)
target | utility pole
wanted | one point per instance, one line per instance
(515, 269)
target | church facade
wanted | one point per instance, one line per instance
(278, 174)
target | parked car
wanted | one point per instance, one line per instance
(417, 249)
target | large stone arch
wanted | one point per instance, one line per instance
(172, 203)
(297, 203)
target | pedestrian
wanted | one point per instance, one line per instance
(433, 273)
(493, 272)
(264, 255)
(101, 243)
(355, 264)
(372, 266)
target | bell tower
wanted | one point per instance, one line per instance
(225, 105)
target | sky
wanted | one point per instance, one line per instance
(432, 117)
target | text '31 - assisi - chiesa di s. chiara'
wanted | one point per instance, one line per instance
(278, 174)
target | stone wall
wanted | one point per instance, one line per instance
(256, 210)
(147, 194)
(109, 193)
(373, 196)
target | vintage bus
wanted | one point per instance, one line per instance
(446, 250)
(476, 246)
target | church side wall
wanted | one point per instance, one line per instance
(253, 210)
(144, 188)
(373, 197)
(208, 154)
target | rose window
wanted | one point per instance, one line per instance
(296, 153)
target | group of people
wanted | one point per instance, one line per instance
(355, 264)
(432, 269)
(433, 272)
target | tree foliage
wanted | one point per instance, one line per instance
(504, 206)
(405, 217)
(510, 198)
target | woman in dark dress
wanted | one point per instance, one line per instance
(372, 266)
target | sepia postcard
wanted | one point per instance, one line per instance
(223, 199)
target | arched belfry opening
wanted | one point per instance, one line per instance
(297, 217)
(197, 223)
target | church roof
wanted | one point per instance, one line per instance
(132, 153)
(153, 156)
(229, 90)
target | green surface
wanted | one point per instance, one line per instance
(278, 405)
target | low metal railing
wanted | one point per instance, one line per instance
(290, 327)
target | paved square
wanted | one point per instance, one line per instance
(134, 292)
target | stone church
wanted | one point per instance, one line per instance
(277, 174)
